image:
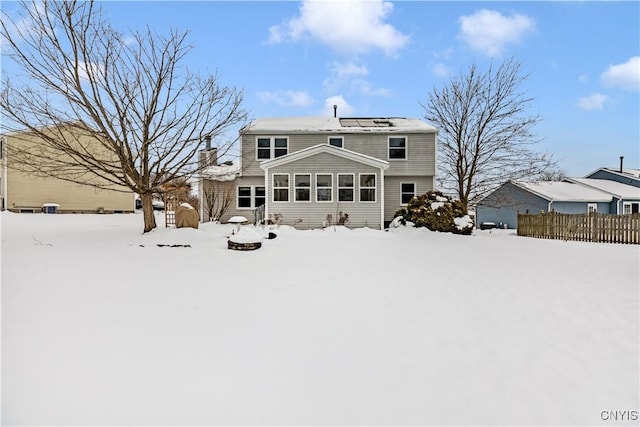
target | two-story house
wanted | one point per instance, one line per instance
(309, 172)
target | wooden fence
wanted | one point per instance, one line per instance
(593, 227)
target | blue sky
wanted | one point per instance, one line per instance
(380, 58)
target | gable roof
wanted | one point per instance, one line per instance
(338, 125)
(626, 172)
(616, 188)
(564, 191)
(325, 148)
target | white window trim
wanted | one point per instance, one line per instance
(592, 207)
(353, 175)
(324, 188)
(274, 188)
(630, 204)
(341, 138)
(415, 191)
(406, 148)
(375, 188)
(272, 146)
(310, 188)
(253, 197)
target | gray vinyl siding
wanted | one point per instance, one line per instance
(421, 150)
(306, 215)
(245, 212)
(502, 206)
(392, 193)
(579, 207)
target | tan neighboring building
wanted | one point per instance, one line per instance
(25, 192)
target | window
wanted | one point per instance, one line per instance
(259, 196)
(630, 208)
(280, 187)
(244, 197)
(281, 147)
(336, 141)
(592, 207)
(345, 187)
(250, 197)
(397, 148)
(324, 188)
(270, 148)
(367, 187)
(407, 192)
(302, 185)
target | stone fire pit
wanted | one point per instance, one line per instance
(246, 239)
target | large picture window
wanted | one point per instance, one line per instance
(271, 147)
(345, 187)
(397, 148)
(302, 186)
(324, 187)
(407, 192)
(280, 187)
(367, 187)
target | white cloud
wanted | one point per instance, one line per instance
(287, 98)
(594, 102)
(344, 109)
(342, 73)
(623, 76)
(441, 70)
(351, 75)
(347, 26)
(489, 31)
(365, 87)
(583, 78)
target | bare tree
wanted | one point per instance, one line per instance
(485, 132)
(145, 115)
(217, 198)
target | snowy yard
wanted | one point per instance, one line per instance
(100, 326)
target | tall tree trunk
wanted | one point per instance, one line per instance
(147, 212)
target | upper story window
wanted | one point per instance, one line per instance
(336, 141)
(397, 148)
(271, 147)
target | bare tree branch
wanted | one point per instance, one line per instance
(146, 117)
(485, 132)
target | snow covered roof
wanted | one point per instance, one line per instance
(564, 191)
(626, 172)
(221, 172)
(325, 148)
(619, 189)
(338, 125)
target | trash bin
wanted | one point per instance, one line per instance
(50, 208)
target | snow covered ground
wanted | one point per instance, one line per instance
(100, 326)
